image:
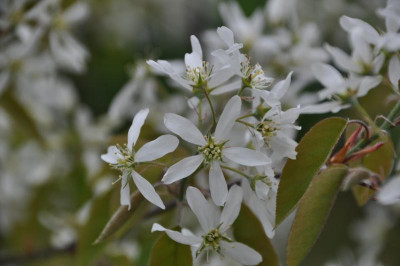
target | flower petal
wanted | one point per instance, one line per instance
(394, 71)
(282, 86)
(246, 156)
(327, 75)
(177, 236)
(136, 126)
(226, 35)
(342, 60)
(147, 190)
(368, 83)
(112, 155)
(125, 198)
(182, 169)
(157, 148)
(184, 128)
(232, 207)
(201, 208)
(218, 186)
(390, 192)
(241, 253)
(228, 117)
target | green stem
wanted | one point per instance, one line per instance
(236, 171)
(200, 111)
(245, 116)
(212, 109)
(392, 115)
(242, 89)
(385, 126)
(363, 112)
(245, 123)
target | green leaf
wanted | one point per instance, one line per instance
(119, 218)
(313, 212)
(312, 153)
(381, 160)
(167, 252)
(247, 229)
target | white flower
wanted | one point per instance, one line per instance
(214, 225)
(126, 159)
(336, 84)
(363, 59)
(213, 150)
(199, 74)
(263, 208)
(248, 30)
(274, 96)
(390, 192)
(274, 132)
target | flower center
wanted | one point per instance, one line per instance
(212, 150)
(211, 239)
(268, 129)
(127, 162)
(199, 74)
(254, 76)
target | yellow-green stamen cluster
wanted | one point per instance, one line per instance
(254, 76)
(268, 129)
(211, 239)
(127, 162)
(212, 151)
(199, 74)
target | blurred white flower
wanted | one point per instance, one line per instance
(390, 192)
(336, 84)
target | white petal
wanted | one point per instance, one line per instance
(112, 155)
(241, 253)
(262, 190)
(157, 148)
(231, 86)
(368, 83)
(196, 47)
(182, 169)
(136, 126)
(390, 192)
(228, 117)
(342, 60)
(226, 35)
(147, 190)
(193, 60)
(232, 207)
(327, 75)
(361, 49)
(322, 108)
(177, 236)
(184, 128)
(282, 86)
(369, 33)
(218, 186)
(245, 156)
(201, 208)
(125, 197)
(394, 71)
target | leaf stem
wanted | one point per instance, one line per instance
(211, 107)
(236, 171)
